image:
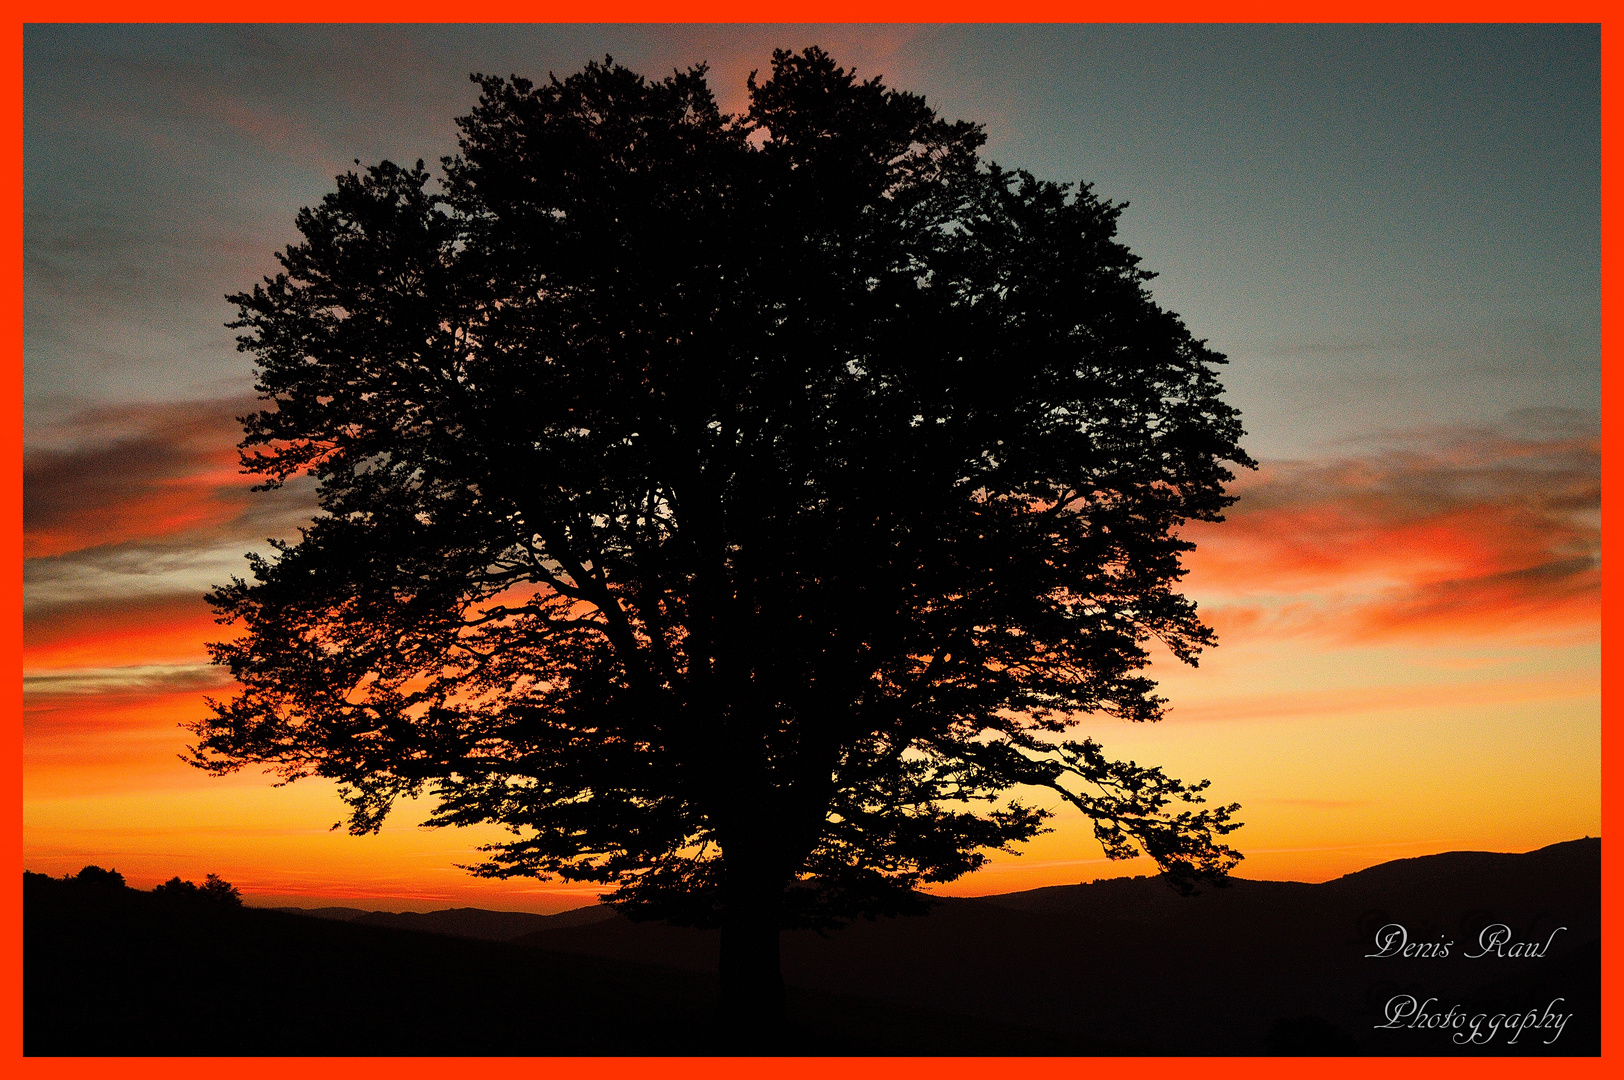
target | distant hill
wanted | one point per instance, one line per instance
(1256, 967)
(1124, 966)
(126, 973)
(477, 923)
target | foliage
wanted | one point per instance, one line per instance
(741, 509)
(97, 878)
(213, 890)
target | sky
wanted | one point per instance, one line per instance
(1392, 232)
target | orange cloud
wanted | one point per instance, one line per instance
(137, 474)
(1474, 535)
(1346, 700)
(163, 629)
(109, 733)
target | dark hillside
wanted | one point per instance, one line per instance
(1255, 967)
(1120, 966)
(477, 923)
(121, 972)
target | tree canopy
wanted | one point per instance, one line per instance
(741, 509)
(214, 890)
(95, 877)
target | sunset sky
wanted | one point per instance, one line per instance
(1394, 234)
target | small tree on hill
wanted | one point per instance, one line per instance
(175, 888)
(741, 509)
(217, 891)
(213, 890)
(96, 877)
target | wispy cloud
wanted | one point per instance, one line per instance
(147, 572)
(145, 492)
(118, 720)
(1463, 533)
(1309, 703)
(141, 680)
(166, 628)
(175, 474)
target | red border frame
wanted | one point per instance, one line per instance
(830, 11)
(813, 11)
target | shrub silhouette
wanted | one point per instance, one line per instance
(218, 891)
(95, 877)
(214, 890)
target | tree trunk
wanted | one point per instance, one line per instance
(754, 875)
(752, 984)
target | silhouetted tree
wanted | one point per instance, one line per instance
(96, 877)
(217, 891)
(738, 508)
(175, 888)
(213, 890)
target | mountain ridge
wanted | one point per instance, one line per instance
(1126, 963)
(1250, 968)
(1132, 899)
(480, 924)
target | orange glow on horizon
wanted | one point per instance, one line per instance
(1362, 606)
